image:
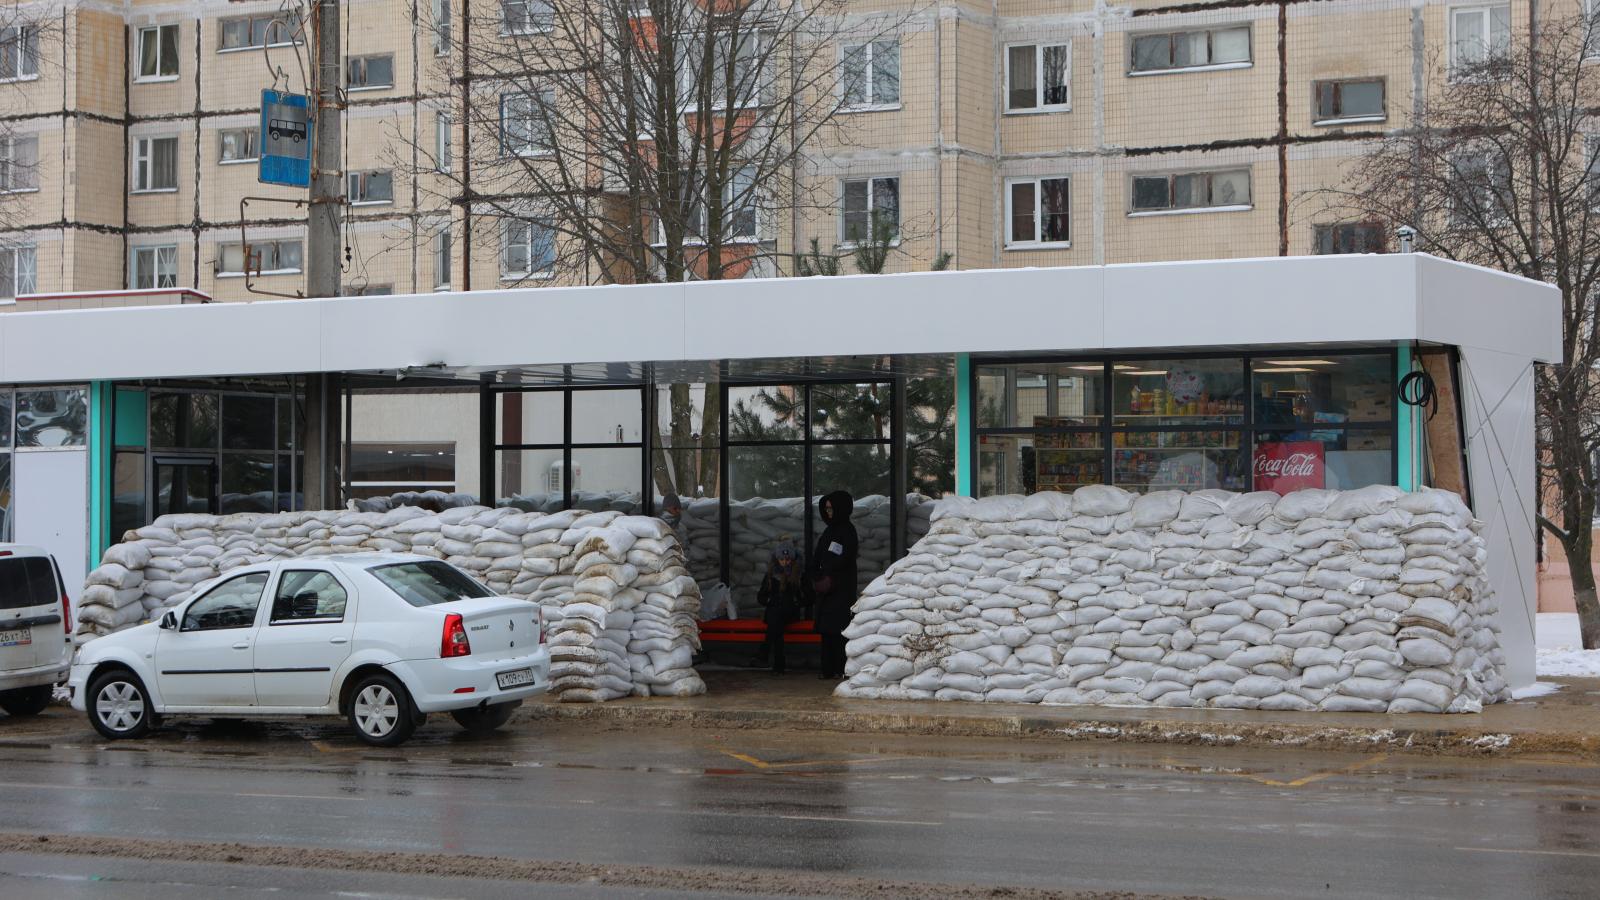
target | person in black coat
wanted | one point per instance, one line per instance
(833, 579)
(784, 592)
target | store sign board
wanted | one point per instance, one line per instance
(1285, 466)
(285, 139)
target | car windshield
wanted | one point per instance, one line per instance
(430, 582)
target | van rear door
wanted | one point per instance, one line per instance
(31, 632)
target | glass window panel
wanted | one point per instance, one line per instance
(606, 417)
(5, 497)
(1023, 80)
(249, 483)
(1178, 460)
(1056, 78)
(404, 466)
(886, 72)
(1361, 98)
(231, 604)
(851, 411)
(1022, 199)
(608, 479)
(854, 75)
(529, 417)
(991, 412)
(52, 418)
(1005, 464)
(127, 494)
(169, 50)
(771, 413)
(1054, 213)
(697, 523)
(1151, 51)
(680, 413)
(1178, 391)
(1325, 95)
(1230, 45)
(863, 470)
(1151, 193)
(1334, 458)
(533, 480)
(766, 503)
(855, 217)
(1189, 49)
(148, 48)
(288, 497)
(183, 488)
(1328, 390)
(285, 423)
(5, 418)
(200, 427)
(247, 422)
(1188, 190)
(1231, 188)
(308, 595)
(930, 423)
(1065, 462)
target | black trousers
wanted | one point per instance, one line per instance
(774, 645)
(833, 654)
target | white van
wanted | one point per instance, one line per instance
(35, 629)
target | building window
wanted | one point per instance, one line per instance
(369, 72)
(155, 164)
(871, 75)
(1483, 191)
(1038, 77)
(381, 469)
(18, 272)
(19, 52)
(441, 260)
(237, 145)
(367, 290)
(246, 32)
(1351, 237)
(869, 204)
(528, 249)
(1347, 100)
(441, 27)
(1037, 212)
(526, 16)
(524, 127)
(1480, 36)
(265, 258)
(1226, 189)
(1179, 50)
(154, 268)
(442, 150)
(158, 53)
(371, 187)
(19, 164)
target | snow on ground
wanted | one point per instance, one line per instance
(1537, 689)
(1560, 648)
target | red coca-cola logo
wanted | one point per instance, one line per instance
(1285, 466)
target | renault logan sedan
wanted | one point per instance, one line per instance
(382, 639)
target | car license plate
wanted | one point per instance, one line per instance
(19, 637)
(514, 678)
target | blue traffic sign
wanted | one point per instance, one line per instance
(285, 148)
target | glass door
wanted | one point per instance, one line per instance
(183, 485)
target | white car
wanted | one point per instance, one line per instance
(35, 629)
(381, 638)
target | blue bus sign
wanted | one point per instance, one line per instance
(285, 148)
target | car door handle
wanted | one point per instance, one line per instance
(338, 640)
(242, 645)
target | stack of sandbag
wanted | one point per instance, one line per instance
(612, 584)
(1370, 600)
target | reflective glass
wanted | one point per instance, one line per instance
(1333, 458)
(52, 418)
(127, 494)
(852, 411)
(607, 478)
(248, 422)
(1173, 391)
(248, 483)
(606, 417)
(773, 413)
(1323, 389)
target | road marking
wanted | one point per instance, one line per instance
(326, 747)
(1530, 852)
(1317, 776)
(862, 821)
(747, 758)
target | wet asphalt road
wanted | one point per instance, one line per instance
(1225, 822)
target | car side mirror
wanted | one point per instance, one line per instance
(169, 621)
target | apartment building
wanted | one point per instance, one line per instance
(1006, 134)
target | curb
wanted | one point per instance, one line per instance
(1440, 741)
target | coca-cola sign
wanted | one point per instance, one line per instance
(1285, 466)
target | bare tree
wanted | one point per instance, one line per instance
(27, 34)
(1500, 170)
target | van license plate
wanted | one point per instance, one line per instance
(514, 678)
(19, 637)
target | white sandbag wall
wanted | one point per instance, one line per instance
(576, 560)
(1372, 600)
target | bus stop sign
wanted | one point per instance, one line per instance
(285, 138)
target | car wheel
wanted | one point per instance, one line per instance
(380, 711)
(482, 720)
(118, 706)
(28, 701)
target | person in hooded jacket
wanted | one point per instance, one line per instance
(784, 592)
(833, 579)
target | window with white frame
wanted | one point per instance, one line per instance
(1591, 168)
(155, 164)
(743, 80)
(441, 27)
(19, 52)
(524, 126)
(370, 187)
(1038, 212)
(1178, 191)
(871, 75)
(442, 148)
(866, 204)
(282, 257)
(369, 72)
(441, 261)
(158, 53)
(526, 16)
(265, 30)
(236, 145)
(18, 272)
(1175, 51)
(1479, 36)
(1484, 190)
(19, 164)
(741, 206)
(1347, 100)
(154, 268)
(527, 248)
(1038, 77)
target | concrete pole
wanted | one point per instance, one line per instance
(324, 251)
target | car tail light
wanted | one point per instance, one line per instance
(541, 624)
(66, 614)
(454, 640)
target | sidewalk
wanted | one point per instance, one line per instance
(1565, 722)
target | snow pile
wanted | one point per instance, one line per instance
(1371, 600)
(614, 587)
(1561, 652)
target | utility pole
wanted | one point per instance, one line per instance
(324, 252)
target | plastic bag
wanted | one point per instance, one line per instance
(717, 603)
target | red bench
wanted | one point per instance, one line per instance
(754, 631)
